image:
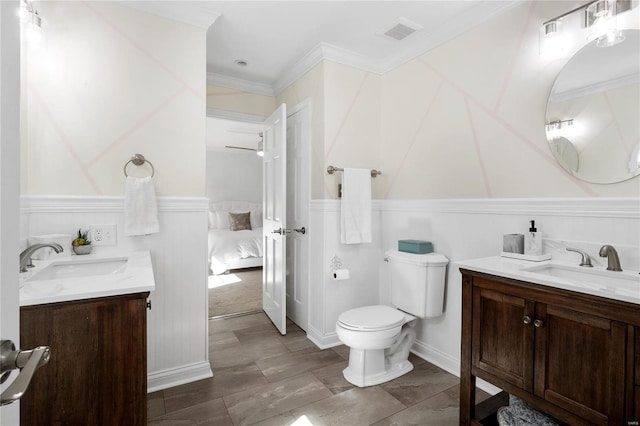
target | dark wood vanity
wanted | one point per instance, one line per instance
(97, 373)
(571, 355)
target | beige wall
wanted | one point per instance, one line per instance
(225, 99)
(311, 86)
(105, 82)
(463, 120)
(352, 123)
(466, 120)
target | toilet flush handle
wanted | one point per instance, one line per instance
(386, 259)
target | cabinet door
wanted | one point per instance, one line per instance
(580, 362)
(97, 371)
(503, 338)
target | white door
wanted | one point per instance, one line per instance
(274, 236)
(9, 187)
(298, 140)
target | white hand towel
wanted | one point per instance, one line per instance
(140, 211)
(355, 218)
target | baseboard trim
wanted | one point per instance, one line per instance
(178, 376)
(323, 341)
(448, 364)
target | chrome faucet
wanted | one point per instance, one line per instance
(586, 260)
(612, 257)
(25, 256)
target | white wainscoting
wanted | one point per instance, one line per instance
(459, 229)
(177, 323)
(329, 298)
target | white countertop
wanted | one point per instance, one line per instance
(513, 268)
(136, 277)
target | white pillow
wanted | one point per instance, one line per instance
(222, 219)
(256, 218)
(213, 223)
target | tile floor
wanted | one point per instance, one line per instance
(263, 378)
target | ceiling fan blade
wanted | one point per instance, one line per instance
(240, 147)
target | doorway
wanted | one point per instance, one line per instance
(233, 142)
(234, 186)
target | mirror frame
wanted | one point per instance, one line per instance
(558, 141)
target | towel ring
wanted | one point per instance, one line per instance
(139, 160)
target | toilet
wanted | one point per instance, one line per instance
(379, 337)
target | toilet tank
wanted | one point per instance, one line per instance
(417, 282)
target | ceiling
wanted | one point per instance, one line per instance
(275, 37)
(272, 36)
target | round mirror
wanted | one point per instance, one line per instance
(593, 124)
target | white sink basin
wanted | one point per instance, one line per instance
(78, 268)
(622, 282)
(105, 274)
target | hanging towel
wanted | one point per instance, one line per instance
(140, 211)
(355, 218)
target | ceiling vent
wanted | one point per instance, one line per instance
(400, 29)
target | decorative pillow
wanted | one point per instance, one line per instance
(222, 219)
(239, 221)
(256, 218)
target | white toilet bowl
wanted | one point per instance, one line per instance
(379, 338)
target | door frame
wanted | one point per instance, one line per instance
(10, 186)
(305, 108)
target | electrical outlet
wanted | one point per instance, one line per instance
(103, 235)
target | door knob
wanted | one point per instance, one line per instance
(26, 361)
(538, 323)
(283, 231)
(526, 319)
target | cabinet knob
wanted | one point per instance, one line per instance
(526, 319)
(538, 323)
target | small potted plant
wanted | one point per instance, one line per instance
(82, 245)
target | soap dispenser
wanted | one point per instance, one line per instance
(532, 241)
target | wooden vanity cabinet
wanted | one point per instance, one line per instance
(636, 382)
(567, 354)
(97, 373)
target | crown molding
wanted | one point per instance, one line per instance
(322, 51)
(328, 52)
(240, 84)
(597, 87)
(197, 14)
(447, 31)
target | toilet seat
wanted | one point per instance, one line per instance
(372, 318)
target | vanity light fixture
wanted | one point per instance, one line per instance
(560, 128)
(552, 41)
(30, 19)
(29, 14)
(599, 20)
(260, 151)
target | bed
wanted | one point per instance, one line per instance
(234, 249)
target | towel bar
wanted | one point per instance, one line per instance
(139, 160)
(331, 169)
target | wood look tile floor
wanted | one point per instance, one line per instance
(263, 378)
